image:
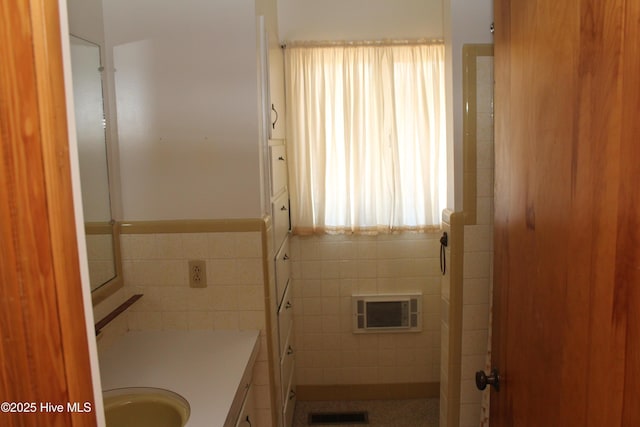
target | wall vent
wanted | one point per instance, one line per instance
(387, 313)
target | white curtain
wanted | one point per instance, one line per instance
(366, 137)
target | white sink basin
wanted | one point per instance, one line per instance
(145, 407)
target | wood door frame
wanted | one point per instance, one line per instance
(44, 351)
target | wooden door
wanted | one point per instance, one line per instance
(44, 360)
(566, 333)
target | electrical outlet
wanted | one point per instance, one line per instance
(197, 274)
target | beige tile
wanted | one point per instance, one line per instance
(261, 373)
(224, 298)
(225, 320)
(367, 269)
(311, 324)
(476, 291)
(330, 306)
(477, 265)
(484, 210)
(194, 245)
(485, 183)
(261, 397)
(169, 246)
(248, 271)
(174, 321)
(221, 245)
(250, 297)
(330, 269)
(366, 249)
(474, 342)
(475, 317)
(138, 246)
(330, 341)
(471, 364)
(248, 245)
(145, 321)
(199, 320)
(330, 324)
(251, 320)
(311, 288)
(312, 306)
(470, 414)
(478, 238)
(331, 375)
(221, 271)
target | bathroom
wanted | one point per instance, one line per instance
(166, 183)
(572, 295)
(161, 231)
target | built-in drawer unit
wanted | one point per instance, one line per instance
(283, 270)
(278, 169)
(280, 212)
(285, 319)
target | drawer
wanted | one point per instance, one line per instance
(287, 360)
(283, 270)
(290, 400)
(280, 213)
(285, 318)
(246, 415)
(278, 168)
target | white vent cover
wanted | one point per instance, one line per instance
(387, 313)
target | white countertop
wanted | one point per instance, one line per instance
(205, 367)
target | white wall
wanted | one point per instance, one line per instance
(186, 94)
(465, 22)
(359, 19)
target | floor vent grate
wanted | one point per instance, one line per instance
(320, 418)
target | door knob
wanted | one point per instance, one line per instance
(492, 379)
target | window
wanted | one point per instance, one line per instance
(366, 137)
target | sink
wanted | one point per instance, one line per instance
(145, 407)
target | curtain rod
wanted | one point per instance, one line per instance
(348, 43)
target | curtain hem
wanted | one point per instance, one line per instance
(366, 231)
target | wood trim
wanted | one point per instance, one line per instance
(228, 225)
(455, 265)
(116, 312)
(45, 349)
(368, 391)
(470, 54)
(114, 285)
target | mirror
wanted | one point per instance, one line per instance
(100, 229)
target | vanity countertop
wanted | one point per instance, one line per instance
(205, 367)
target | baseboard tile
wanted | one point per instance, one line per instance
(368, 391)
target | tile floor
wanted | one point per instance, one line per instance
(382, 413)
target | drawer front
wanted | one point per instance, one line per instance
(290, 401)
(280, 212)
(286, 362)
(278, 169)
(246, 415)
(283, 270)
(285, 319)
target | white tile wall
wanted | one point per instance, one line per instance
(326, 271)
(156, 265)
(478, 254)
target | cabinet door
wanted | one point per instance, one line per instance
(276, 87)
